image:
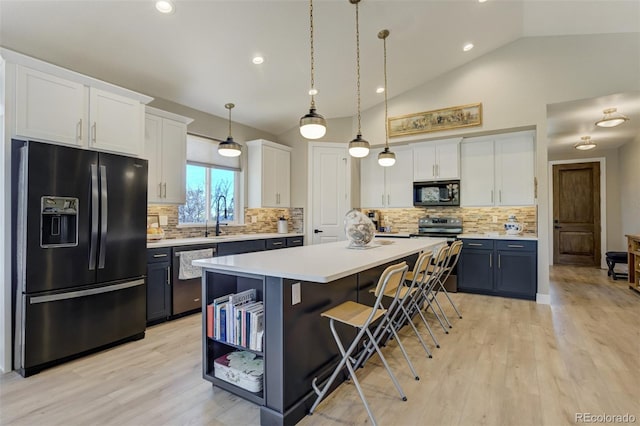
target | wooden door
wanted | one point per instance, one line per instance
(576, 214)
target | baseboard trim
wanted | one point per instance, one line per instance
(543, 299)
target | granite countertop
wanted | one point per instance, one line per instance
(174, 242)
(321, 263)
(500, 236)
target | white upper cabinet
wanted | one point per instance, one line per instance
(166, 148)
(56, 105)
(498, 170)
(50, 108)
(387, 187)
(436, 160)
(117, 123)
(269, 174)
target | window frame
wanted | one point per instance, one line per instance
(238, 204)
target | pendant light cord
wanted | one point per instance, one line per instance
(358, 65)
(386, 121)
(230, 120)
(313, 102)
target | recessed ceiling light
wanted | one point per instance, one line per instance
(380, 89)
(467, 47)
(481, 1)
(165, 6)
(258, 60)
(313, 92)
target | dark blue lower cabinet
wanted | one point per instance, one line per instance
(499, 267)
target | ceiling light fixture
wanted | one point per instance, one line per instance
(312, 124)
(585, 144)
(467, 47)
(612, 118)
(229, 148)
(358, 147)
(165, 6)
(386, 158)
(258, 60)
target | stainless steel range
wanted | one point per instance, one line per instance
(444, 227)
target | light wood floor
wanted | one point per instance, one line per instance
(507, 362)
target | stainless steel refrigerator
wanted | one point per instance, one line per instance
(79, 252)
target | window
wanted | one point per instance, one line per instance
(206, 187)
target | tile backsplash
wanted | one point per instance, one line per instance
(475, 220)
(266, 221)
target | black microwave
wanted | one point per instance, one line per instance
(436, 193)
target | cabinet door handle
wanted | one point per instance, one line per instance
(437, 169)
(492, 195)
(383, 199)
(433, 170)
(500, 195)
(296, 241)
(515, 245)
(160, 255)
(164, 190)
(475, 244)
(499, 256)
(168, 276)
(277, 244)
(79, 130)
(159, 190)
(388, 199)
(490, 260)
(93, 132)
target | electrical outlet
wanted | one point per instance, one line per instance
(164, 220)
(494, 219)
(254, 219)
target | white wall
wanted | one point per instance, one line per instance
(629, 183)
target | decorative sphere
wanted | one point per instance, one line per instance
(359, 228)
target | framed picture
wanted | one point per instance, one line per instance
(436, 120)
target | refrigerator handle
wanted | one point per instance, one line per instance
(94, 217)
(103, 216)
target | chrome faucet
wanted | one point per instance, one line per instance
(218, 213)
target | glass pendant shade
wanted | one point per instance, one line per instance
(358, 147)
(229, 148)
(313, 125)
(611, 118)
(386, 158)
(585, 144)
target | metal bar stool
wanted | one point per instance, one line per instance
(361, 317)
(454, 255)
(397, 316)
(434, 270)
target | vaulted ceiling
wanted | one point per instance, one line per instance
(201, 55)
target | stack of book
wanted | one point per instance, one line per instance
(237, 319)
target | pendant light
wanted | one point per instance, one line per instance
(611, 118)
(358, 147)
(312, 125)
(229, 148)
(386, 158)
(585, 144)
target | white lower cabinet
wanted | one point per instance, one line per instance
(166, 150)
(498, 170)
(387, 187)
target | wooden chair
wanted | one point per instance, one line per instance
(361, 317)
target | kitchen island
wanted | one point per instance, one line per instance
(295, 285)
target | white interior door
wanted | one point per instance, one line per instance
(330, 191)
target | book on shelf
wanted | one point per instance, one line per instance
(237, 319)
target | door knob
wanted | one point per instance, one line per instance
(317, 231)
(556, 227)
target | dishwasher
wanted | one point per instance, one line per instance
(186, 295)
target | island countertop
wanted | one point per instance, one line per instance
(320, 263)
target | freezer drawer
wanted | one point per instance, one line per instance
(62, 325)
